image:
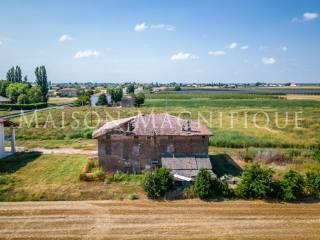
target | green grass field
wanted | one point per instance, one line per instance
(32, 176)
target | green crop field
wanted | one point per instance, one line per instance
(240, 129)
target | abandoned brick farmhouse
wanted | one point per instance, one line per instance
(147, 141)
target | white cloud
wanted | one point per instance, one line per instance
(244, 47)
(233, 45)
(65, 38)
(140, 27)
(1, 43)
(307, 16)
(268, 61)
(216, 53)
(143, 26)
(162, 26)
(310, 16)
(183, 56)
(284, 48)
(86, 54)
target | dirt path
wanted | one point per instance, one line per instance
(58, 151)
(143, 219)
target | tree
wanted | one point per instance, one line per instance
(177, 88)
(116, 94)
(15, 89)
(10, 75)
(158, 182)
(83, 99)
(34, 94)
(23, 99)
(25, 78)
(42, 82)
(256, 182)
(139, 97)
(203, 184)
(17, 74)
(292, 185)
(102, 100)
(130, 88)
(3, 86)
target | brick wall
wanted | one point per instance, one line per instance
(134, 154)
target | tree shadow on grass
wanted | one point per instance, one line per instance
(223, 164)
(13, 163)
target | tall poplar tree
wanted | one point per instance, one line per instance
(42, 82)
(17, 74)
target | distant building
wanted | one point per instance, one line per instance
(4, 100)
(159, 89)
(127, 101)
(139, 90)
(95, 97)
(148, 141)
(69, 92)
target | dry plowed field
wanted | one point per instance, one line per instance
(143, 219)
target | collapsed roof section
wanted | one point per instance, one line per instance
(154, 124)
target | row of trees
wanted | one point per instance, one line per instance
(256, 183)
(14, 74)
(23, 92)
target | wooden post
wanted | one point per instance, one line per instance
(13, 140)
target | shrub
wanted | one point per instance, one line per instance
(158, 182)
(292, 185)
(312, 182)
(133, 196)
(203, 184)
(255, 182)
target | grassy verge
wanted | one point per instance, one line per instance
(32, 177)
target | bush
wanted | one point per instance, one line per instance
(203, 184)
(312, 182)
(133, 196)
(292, 185)
(255, 182)
(158, 182)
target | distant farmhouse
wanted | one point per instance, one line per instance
(69, 92)
(145, 142)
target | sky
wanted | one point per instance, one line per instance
(163, 41)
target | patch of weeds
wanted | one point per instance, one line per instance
(133, 196)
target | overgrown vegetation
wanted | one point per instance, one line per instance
(157, 183)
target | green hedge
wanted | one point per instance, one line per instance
(23, 106)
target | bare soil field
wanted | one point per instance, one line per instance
(143, 219)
